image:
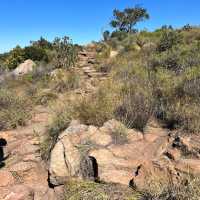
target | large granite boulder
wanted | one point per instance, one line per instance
(26, 67)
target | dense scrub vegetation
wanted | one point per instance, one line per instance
(60, 53)
(157, 75)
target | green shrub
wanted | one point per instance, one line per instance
(60, 121)
(168, 59)
(15, 57)
(168, 40)
(191, 35)
(119, 134)
(103, 52)
(19, 55)
(65, 81)
(44, 97)
(190, 56)
(177, 99)
(177, 58)
(96, 109)
(35, 54)
(136, 98)
(120, 35)
(65, 55)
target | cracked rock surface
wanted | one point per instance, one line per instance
(136, 160)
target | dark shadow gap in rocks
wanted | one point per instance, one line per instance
(95, 167)
(89, 168)
(132, 184)
(168, 155)
(138, 169)
(3, 143)
(49, 182)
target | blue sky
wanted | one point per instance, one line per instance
(82, 20)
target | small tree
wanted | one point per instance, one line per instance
(126, 20)
(187, 27)
(106, 35)
(65, 53)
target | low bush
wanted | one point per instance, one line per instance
(14, 110)
(98, 191)
(65, 81)
(191, 35)
(103, 52)
(63, 114)
(35, 53)
(44, 97)
(135, 110)
(98, 108)
(182, 191)
(66, 54)
(136, 96)
(119, 134)
(177, 99)
(169, 39)
(119, 35)
(14, 58)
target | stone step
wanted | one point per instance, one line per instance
(96, 74)
(89, 71)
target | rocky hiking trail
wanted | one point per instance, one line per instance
(86, 69)
(23, 174)
(89, 152)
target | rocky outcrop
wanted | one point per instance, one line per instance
(109, 153)
(19, 192)
(24, 68)
(115, 154)
(23, 175)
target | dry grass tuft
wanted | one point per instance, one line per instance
(14, 110)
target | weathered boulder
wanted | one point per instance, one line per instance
(24, 68)
(65, 157)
